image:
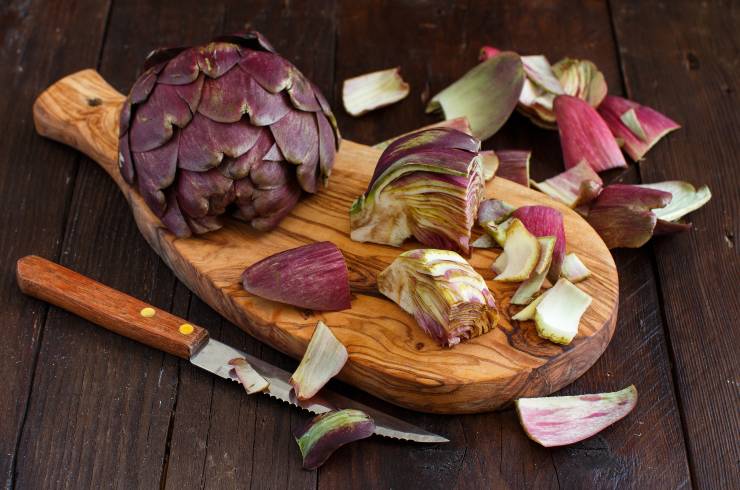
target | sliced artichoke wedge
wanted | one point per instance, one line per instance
(448, 298)
(427, 184)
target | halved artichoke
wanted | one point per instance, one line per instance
(230, 125)
(428, 184)
(448, 298)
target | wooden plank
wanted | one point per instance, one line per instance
(435, 43)
(35, 48)
(682, 60)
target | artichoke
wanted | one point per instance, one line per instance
(448, 298)
(229, 126)
(427, 184)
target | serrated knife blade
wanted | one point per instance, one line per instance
(214, 357)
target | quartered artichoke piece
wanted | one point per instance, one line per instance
(427, 184)
(448, 298)
(227, 126)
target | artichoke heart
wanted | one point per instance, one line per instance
(448, 298)
(427, 184)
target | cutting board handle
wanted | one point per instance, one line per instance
(81, 110)
(111, 309)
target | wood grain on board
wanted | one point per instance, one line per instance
(389, 355)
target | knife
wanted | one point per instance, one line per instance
(127, 316)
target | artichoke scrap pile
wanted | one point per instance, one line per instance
(230, 126)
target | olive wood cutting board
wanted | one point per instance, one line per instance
(390, 356)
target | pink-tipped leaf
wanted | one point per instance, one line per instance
(637, 127)
(313, 277)
(576, 186)
(561, 420)
(585, 136)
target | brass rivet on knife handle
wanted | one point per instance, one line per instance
(111, 309)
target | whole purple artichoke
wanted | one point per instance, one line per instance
(228, 126)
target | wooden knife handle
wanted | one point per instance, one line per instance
(111, 309)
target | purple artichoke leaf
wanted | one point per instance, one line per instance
(323, 103)
(312, 276)
(124, 118)
(269, 174)
(585, 136)
(191, 93)
(270, 221)
(180, 70)
(270, 70)
(632, 196)
(204, 142)
(301, 93)
(514, 166)
(238, 168)
(327, 148)
(296, 135)
(263, 106)
(152, 123)
(143, 87)
(269, 201)
(152, 195)
(173, 218)
(274, 154)
(224, 99)
(196, 190)
(308, 174)
(622, 214)
(156, 170)
(125, 160)
(216, 58)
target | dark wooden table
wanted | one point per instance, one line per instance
(83, 408)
